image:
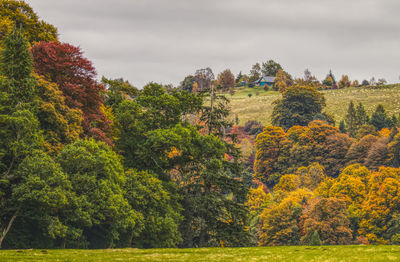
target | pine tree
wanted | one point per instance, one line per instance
(19, 126)
(361, 115)
(16, 67)
(315, 240)
(380, 119)
(351, 119)
(342, 127)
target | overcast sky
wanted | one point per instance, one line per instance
(165, 40)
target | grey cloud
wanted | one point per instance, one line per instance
(165, 40)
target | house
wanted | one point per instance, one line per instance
(265, 80)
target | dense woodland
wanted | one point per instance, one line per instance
(97, 164)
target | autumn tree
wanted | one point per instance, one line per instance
(358, 151)
(226, 80)
(380, 209)
(66, 66)
(298, 106)
(394, 151)
(267, 167)
(20, 15)
(59, 123)
(378, 154)
(327, 216)
(281, 222)
(344, 82)
(282, 81)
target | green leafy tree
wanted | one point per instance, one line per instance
(298, 106)
(187, 83)
(156, 136)
(97, 178)
(40, 190)
(146, 194)
(117, 90)
(270, 68)
(255, 73)
(30, 183)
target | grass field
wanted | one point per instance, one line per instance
(259, 106)
(293, 253)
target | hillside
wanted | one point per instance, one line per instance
(259, 106)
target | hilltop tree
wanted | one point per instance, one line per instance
(282, 81)
(365, 83)
(298, 106)
(238, 77)
(187, 83)
(330, 80)
(226, 80)
(344, 82)
(381, 81)
(204, 78)
(255, 73)
(65, 65)
(270, 68)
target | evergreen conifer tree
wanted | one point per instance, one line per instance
(361, 116)
(315, 239)
(380, 119)
(351, 119)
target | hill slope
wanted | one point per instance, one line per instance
(259, 106)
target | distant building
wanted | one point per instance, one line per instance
(265, 80)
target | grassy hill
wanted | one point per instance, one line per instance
(259, 106)
(292, 253)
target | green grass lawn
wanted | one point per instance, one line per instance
(293, 253)
(259, 106)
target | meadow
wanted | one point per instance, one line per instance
(289, 253)
(259, 106)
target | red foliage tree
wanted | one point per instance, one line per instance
(66, 66)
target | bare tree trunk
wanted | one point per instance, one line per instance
(211, 110)
(5, 231)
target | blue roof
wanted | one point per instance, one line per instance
(268, 79)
